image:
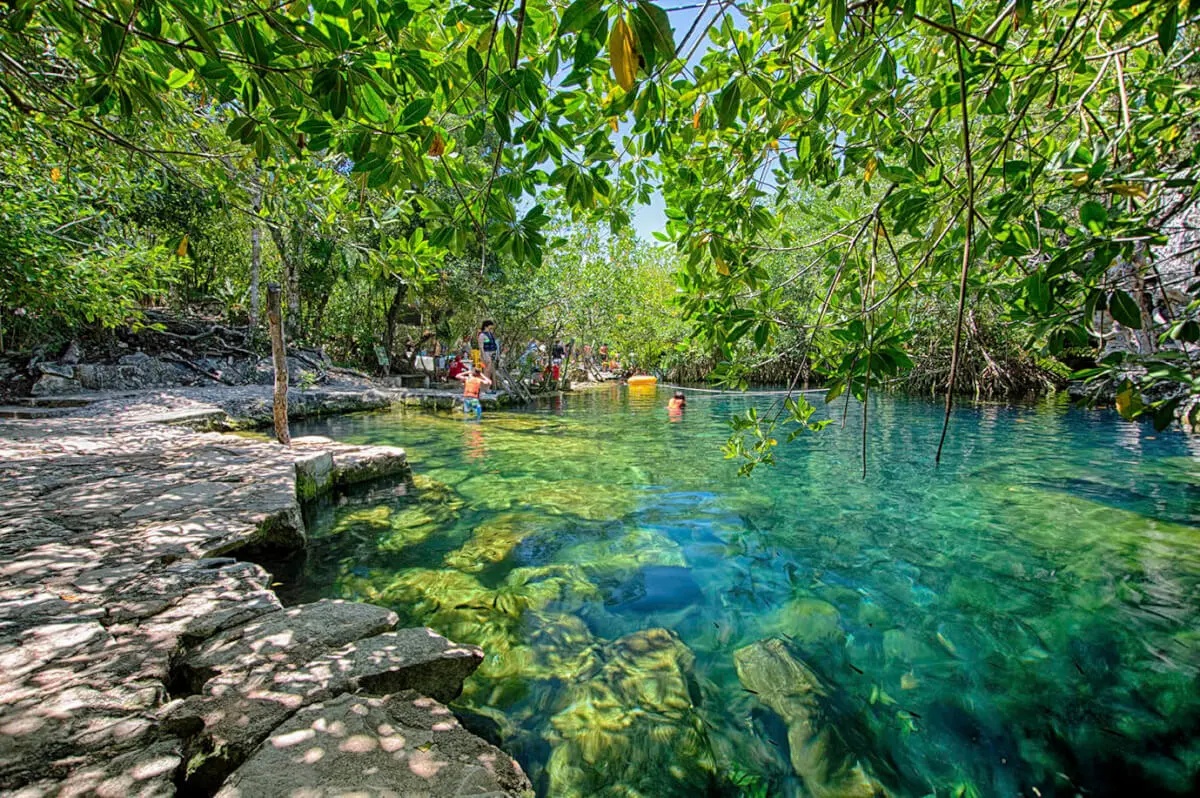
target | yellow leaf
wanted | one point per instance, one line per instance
(722, 267)
(872, 165)
(461, 28)
(612, 122)
(55, 174)
(621, 54)
(182, 249)
(1125, 403)
(1079, 179)
(700, 110)
(1128, 190)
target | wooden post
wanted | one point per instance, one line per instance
(279, 357)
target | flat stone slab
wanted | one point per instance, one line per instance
(17, 411)
(401, 745)
(298, 634)
(135, 656)
(236, 710)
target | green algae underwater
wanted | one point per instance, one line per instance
(1017, 621)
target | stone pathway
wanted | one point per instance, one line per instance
(138, 658)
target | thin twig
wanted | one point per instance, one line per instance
(966, 258)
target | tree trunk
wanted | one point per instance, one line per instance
(290, 255)
(279, 357)
(255, 266)
(393, 319)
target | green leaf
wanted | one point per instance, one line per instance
(501, 123)
(1168, 27)
(196, 27)
(1188, 331)
(1093, 216)
(822, 102)
(577, 15)
(729, 101)
(837, 15)
(415, 112)
(660, 26)
(177, 79)
(1125, 310)
(1164, 415)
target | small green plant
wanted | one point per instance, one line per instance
(752, 438)
(306, 379)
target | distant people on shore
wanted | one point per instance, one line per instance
(489, 348)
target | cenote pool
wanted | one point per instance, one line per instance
(1018, 621)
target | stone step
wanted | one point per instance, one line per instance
(19, 411)
(61, 400)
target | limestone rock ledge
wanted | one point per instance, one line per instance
(137, 660)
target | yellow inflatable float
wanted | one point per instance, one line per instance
(642, 379)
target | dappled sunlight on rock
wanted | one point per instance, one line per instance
(399, 745)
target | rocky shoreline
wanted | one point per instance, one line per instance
(138, 658)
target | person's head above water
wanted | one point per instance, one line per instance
(679, 395)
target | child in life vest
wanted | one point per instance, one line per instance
(472, 382)
(676, 403)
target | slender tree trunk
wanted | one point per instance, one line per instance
(293, 284)
(279, 357)
(255, 263)
(290, 255)
(393, 319)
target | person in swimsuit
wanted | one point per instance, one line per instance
(489, 347)
(472, 382)
(676, 404)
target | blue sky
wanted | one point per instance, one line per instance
(648, 219)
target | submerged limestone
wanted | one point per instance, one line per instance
(629, 725)
(819, 754)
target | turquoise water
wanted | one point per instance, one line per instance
(1022, 617)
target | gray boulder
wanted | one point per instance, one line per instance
(53, 384)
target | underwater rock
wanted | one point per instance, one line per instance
(495, 540)
(809, 621)
(819, 755)
(546, 584)
(428, 507)
(583, 498)
(630, 726)
(901, 646)
(631, 551)
(656, 588)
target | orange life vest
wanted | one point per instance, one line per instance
(675, 404)
(471, 387)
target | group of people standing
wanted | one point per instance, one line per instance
(475, 365)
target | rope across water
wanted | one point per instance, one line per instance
(738, 393)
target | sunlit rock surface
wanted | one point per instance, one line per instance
(135, 659)
(402, 745)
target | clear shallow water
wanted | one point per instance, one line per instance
(1022, 617)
